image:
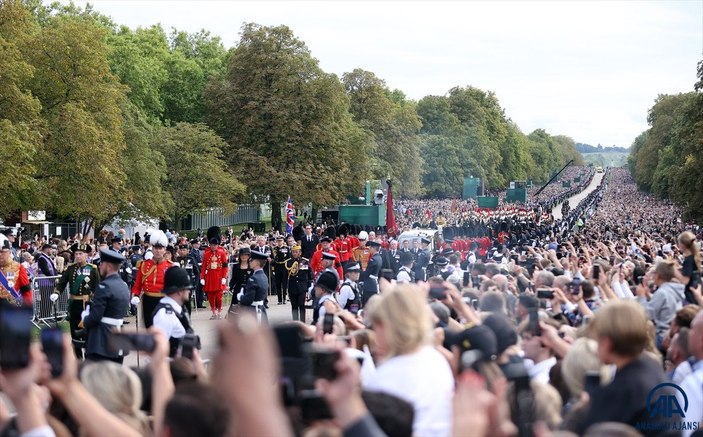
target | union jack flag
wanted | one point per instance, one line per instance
(290, 217)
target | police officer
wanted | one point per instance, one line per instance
(81, 278)
(373, 270)
(405, 273)
(281, 254)
(256, 289)
(349, 293)
(187, 261)
(170, 315)
(106, 309)
(299, 280)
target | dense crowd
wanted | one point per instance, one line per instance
(560, 326)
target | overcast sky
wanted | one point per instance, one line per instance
(590, 69)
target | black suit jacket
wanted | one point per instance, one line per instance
(309, 247)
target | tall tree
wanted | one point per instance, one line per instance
(287, 121)
(197, 176)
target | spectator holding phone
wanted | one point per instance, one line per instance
(665, 301)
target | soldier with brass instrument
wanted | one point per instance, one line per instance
(81, 278)
(299, 279)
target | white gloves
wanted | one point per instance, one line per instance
(54, 297)
(134, 301)
(202, 282)
(224, 281)
(239, 295)
(85, 312)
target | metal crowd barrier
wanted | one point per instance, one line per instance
(45, 312)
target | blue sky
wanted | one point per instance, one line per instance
(589, 70)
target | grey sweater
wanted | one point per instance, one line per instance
(662, 307)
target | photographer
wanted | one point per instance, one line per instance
(169, 315)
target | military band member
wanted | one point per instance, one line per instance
(150, 276)
(214, 272)
(81, 278)
(106, 309)
(281, 254)
(361, 253)
(170, 315)
(373, 269)
(299, 280)
(256, 288)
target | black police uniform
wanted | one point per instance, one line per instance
(106, 313)
(190, 264)
(299, 279)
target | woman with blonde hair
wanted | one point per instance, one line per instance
(410, 367)
(689, 274)
(119, 390)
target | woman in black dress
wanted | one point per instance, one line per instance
(240, 273)
(690, 271)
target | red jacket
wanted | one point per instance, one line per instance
(21, 281)
(150, 278)
(214, 270)
(316, 262)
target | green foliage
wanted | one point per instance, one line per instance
(287, 121)
(197, 176)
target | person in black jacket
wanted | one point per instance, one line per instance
(106, 309)
(45, 263)
(256, 288)
(309, 242)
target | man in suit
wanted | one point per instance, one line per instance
(309, 242)
(106, 309)
(394, 257)
(45, 263)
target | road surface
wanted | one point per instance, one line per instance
(574, 200)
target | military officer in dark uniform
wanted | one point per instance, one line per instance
(422, 260)
(126, 266)
(256, 288)
(299, 280)
(81, 278)
(106, 309)
(187, 261)
(281, 254)
(197, 255)
(373, 269)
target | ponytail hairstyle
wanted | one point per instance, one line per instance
(688, 240)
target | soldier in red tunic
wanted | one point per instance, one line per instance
(149, 282)
(316, 261)
(213, 273)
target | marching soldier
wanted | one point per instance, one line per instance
(106, 309)
(213, 275)
(187, 261)
(126, 266)
(299, 280)
(361, 253)
(256, 289)
(318, 256)
(422, 260)
(81, 278)
(150, 277)
(394, 256)
(281, 254)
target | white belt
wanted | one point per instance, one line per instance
(258, 305)
(111, 321)
(373, 277)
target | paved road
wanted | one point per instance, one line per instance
(574, 200)
(206, 328)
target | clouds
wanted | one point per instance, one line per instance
(589, 70)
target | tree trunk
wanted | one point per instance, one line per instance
(276, 221)
(313, 215)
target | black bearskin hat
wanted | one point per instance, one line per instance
(213, 235)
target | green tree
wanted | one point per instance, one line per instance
(20, 124)
(197, 176)
(287, 121)
(81, 101)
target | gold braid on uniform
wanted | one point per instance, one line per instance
(293, 270)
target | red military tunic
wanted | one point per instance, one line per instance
(343, 248)
(214, 270)
(316, 262)
(150, 278)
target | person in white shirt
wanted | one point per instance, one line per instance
(169, 316)
(692, 385)
(405, 273)
(349, 296)
(410, 367)
(541, 358)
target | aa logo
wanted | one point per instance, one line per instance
(662, 401)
